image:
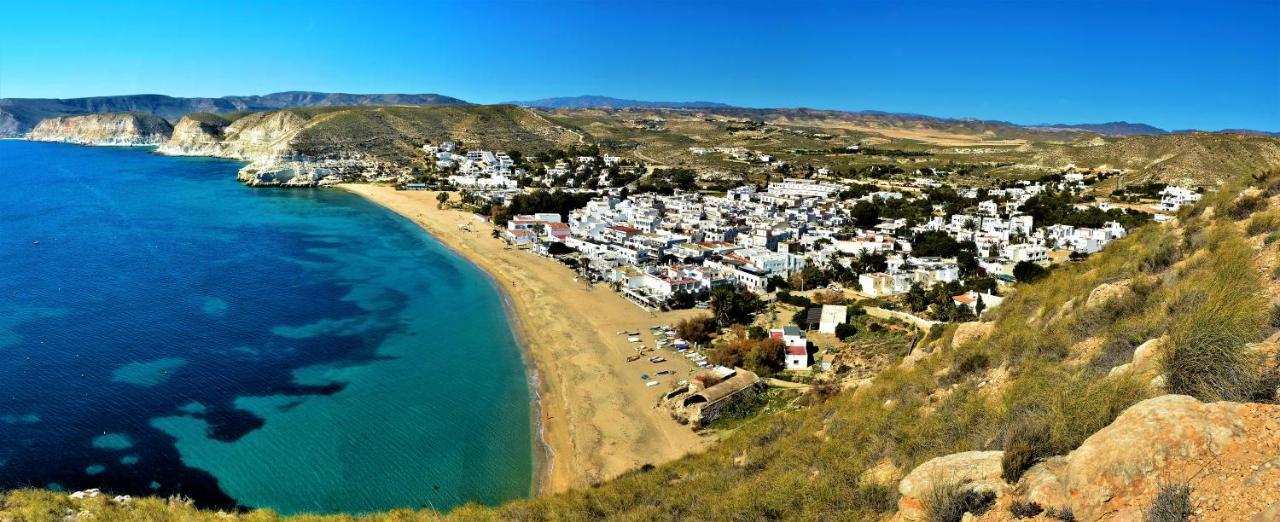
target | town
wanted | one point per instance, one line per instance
(917, 249)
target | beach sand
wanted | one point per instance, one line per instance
(598, 417)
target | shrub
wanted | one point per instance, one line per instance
(1027, 441)
(1264, 222)
(1164, 255)
(1275, 315)
(1206, 356)
(696, 330)
(1172, 504)
(1027, 272)
(1064, 514)
(846, 330)
(1244, 206)
(949, 501)
(1024, 509)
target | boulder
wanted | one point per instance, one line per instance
(1045, 483)
(1156, 440)
(1145, 353)
(1107, 292)
(980, 470)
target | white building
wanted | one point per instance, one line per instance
(804, 188)
(832, 316)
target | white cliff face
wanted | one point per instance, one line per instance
(263, 139)
(114, 129)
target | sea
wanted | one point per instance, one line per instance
(165, 330)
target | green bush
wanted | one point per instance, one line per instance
(949, 501)
(1028, 272)
(846, 330)
(1172, 504)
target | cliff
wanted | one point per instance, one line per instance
(302, 147)
(19, 115)
(126, 128)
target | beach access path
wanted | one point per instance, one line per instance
(599, 418)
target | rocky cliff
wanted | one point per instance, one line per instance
(19, 115)
(124, 128)
(303, 147)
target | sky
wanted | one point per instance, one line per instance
(1176, 65)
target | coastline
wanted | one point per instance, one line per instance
(596, 418)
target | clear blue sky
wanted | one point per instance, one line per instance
(1206, 65)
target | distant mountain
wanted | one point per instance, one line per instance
(20, 115)
(1250, 132)
(1115, 128)
(605, 102)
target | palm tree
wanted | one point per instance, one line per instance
(441, 198)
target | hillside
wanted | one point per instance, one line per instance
(1201, 158)
(20, 115)
(356, 141)
(1036, 408)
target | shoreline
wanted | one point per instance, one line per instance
(595, 419)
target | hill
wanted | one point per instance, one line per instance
(20, 115)
(605, 102)
(357, 141)
(1115, 128)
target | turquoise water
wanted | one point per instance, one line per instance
(174, 332)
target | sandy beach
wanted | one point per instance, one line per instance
(598, 417)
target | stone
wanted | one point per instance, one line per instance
(1173, 433)
(1045, 483)
(979, 469)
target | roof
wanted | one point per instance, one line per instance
(797, 350)
(626, 229)
(834, 313)
(969, 297)
(741, 380)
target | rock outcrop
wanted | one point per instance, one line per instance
(114, 129)
(1226, 452)
(977, 470)
(197, 134)
(263, 139)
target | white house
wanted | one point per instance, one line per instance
(832, 316)
(794, 345)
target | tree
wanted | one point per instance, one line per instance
(696, 330)
(733, 305)
(441, 198)
(865, 214)
(845, 331)
(916, 298)
(762, 356)
(1028, 272)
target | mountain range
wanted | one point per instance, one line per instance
(606, 102)
(19, 115)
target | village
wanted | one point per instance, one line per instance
(823, 262)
